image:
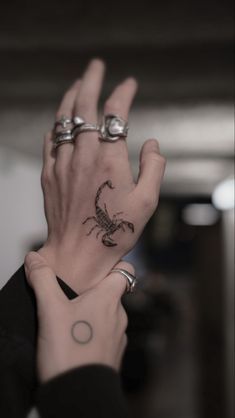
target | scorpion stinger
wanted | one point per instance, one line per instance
(104, 222)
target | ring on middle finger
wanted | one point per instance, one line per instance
(84, 127)
(113, 128)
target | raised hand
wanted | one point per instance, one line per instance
(87, 330)
(94, 209)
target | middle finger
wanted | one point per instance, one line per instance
(87, 143)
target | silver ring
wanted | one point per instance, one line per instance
(130, 279)
(78, 121)
(64, 121)
(64, 132)
(66, 138)
(113, 128)
(84, 127)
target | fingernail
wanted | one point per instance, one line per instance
(157, 145)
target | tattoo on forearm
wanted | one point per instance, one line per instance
(82, 332)
(103, 221)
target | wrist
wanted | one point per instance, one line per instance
(79, 268)
(62, 260)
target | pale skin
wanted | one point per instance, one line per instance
(73, 173)
(89, 329)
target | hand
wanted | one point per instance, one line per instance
(87, 330)
(78, 180)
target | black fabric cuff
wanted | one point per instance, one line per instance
(84, 392)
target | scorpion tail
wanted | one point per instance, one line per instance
(107, 183)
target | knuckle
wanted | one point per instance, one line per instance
(112, 161)
(149, 201)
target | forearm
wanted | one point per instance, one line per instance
(81, 267)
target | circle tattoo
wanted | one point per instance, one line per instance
(82, 332)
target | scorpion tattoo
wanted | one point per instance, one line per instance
(104, 222)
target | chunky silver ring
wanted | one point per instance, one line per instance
(78, 121)
(64, 132)
(113, 128)
(65, 138)
(84, 127)
(64, 121)
(130, 279)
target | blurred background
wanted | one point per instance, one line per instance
(179, 362)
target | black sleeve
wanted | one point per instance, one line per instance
(18, 327)
(91, 391)
(84, 392)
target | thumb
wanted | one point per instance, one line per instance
(41, 278)
(152, 166)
